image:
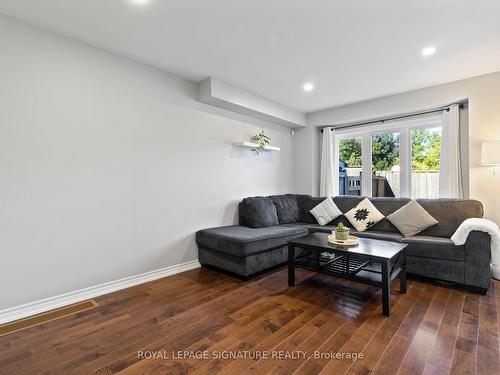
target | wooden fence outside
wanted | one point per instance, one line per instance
(424, 184)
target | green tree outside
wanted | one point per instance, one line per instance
(426, 150)
(350, 152)
(385, 151)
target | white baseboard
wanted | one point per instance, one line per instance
(37, 307)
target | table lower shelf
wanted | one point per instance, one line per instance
(353, 268)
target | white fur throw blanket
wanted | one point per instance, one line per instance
(482, 225)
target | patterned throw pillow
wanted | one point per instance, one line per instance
(364, 215)
(326, 211)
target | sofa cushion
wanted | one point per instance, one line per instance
(376, 235)
(259, 212)
(306, 204)
(243, 241)
(286, 207)
(313, 227)
(326, 211)
(433, 247)
(395, 237)
(364, 215)
(345, 203)
(411, 219)
(450, 213)
(385, 205)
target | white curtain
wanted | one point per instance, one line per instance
(450, 175)
(328, 186)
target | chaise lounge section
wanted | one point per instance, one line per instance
(259, 242)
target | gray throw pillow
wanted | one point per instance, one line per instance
(411, 219)
(259, 212)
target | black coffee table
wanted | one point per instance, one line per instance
(373, 262)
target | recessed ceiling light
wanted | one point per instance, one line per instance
(429, 51)
(139, 2)
(308, 87)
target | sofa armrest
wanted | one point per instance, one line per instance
(477, 260)
(478, 248)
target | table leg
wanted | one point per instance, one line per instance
(386, 289)
(402, 274)
(291, 265)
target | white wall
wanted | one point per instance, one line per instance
(307, 160)
(108, 167)
(483, 94)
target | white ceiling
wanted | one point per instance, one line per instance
(351, 49)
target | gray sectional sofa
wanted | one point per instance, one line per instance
(267, 223)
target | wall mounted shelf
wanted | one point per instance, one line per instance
(251, 145)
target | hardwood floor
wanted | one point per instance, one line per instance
(432, 330)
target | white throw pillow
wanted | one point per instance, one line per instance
(326, 211)
(364, 215)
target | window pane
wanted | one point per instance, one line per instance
(350, 166)
(385, 165)
(425, 162)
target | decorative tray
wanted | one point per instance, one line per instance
(352, 241)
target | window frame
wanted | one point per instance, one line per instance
(404, 128)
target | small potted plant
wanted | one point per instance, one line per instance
(262, 140)
(342, 232)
